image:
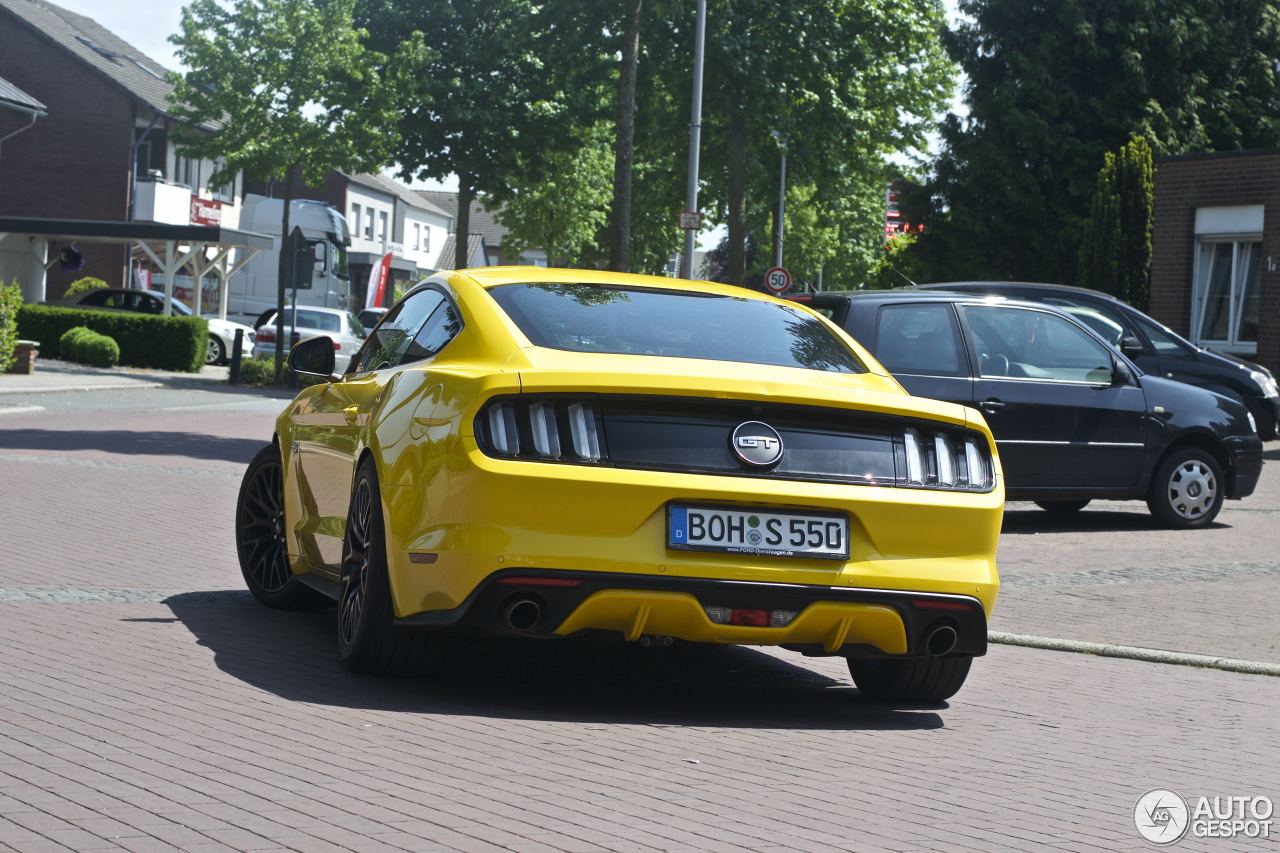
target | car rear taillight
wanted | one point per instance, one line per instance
(749, 617)
(945, 460)
(552, 430)
(265, 335)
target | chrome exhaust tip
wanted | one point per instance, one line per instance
(941, 640)
(522, 614)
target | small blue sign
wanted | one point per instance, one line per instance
(679, 527)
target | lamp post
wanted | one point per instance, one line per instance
(782, 199)
(695, 140)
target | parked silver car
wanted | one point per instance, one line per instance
(345, 328)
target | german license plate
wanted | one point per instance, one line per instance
(775, 532)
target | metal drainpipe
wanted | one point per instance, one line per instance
(34, 116)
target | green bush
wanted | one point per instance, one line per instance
(84, 285)
(88, 347)
(10, 302)
(262, 372)
(145, 340)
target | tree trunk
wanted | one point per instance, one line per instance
(624, 144)
(462, 226)
(285, 273)
(737, 184)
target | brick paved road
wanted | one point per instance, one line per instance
(147, 703)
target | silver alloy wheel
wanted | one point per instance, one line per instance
(213, 352)
(1192, 489)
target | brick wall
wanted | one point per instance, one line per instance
(1213, 180)
(75, 162)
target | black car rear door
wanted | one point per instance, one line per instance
(1046, 388)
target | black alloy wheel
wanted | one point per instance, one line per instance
(369, 641)
(261, 541)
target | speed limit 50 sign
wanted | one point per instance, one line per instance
(777, 280)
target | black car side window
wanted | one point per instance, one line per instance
(919, 339)
(1163, 341)
(435, 334)
(1022, 343)
(393, 337)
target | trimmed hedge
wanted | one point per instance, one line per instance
(88, 347)
(10, 304)
(145, 340)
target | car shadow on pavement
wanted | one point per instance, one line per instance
(130, 443)
(294, 656)
(1085, 521)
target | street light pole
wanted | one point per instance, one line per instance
(695, 140)
(782, 200)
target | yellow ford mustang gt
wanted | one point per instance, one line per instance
(549, 452)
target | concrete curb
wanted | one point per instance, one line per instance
(108, 386)
(1110, 650)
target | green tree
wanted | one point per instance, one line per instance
(1115, 253)
(1052, 87)
(845, 83)
(493, 89)
(565, 212)
(290, 89)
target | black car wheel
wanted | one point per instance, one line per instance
(369, 641)
(260, 538)
(1187, 489)
(1062, 507)
(924, 680)
(215, 351)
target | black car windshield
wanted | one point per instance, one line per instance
(673, 323)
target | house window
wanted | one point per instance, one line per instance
(426, 238)
(226, 192)
(186, 171)
(1224, 301)
(368, 224)
(382, 226)
(355, 219)
(417, 236)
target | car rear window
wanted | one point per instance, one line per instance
(673, 323)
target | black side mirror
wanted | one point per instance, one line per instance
(1131, 346)
(313, 357)
(1120, 374)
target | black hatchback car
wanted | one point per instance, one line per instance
(1150, 345)
(1073, 418)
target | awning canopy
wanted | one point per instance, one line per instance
(206, 249)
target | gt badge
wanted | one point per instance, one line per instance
(756, 444)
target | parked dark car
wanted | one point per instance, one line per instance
(1151, 346)
(1073, 418)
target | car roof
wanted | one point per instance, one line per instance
(1019, 285)
(488, 277)
(912, 294)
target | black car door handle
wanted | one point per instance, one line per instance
(991, 406)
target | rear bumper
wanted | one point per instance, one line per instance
(1246, 465)
(850, 622)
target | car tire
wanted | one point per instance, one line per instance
(1187, 489)
(921, 680)
(215, 351)
(1063, 507)
(261, 541)
(369, 641)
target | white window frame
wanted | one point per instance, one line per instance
(382, 226)
(1199, 291)
(417, 236)
(354, 225)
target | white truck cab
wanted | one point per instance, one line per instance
(253, 290)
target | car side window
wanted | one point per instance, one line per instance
(96, 299)
(388, 343)
(1024, 343)
(919, 339)
(1164, 341)
(443, 325)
